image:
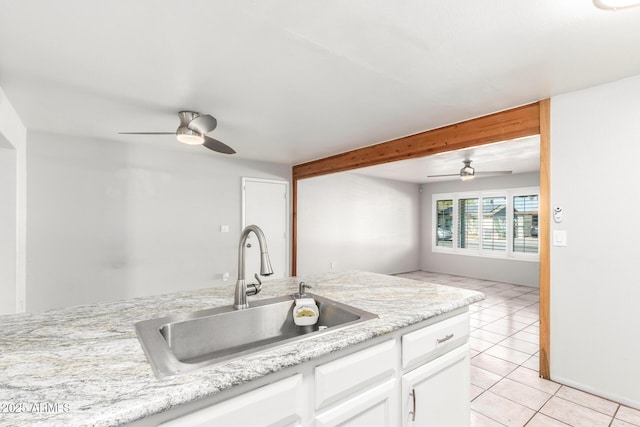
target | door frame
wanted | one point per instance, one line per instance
(526, 120)
(288, 225)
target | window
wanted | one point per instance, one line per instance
(444, 233)
(494, 223)
(468, 223)
(525, 223)
(478, 223)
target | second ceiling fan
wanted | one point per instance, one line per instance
(468, 172)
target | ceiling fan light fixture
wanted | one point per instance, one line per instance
(467, 172)
(188, 136)
(615, 4)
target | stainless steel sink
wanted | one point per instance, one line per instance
(184, 342)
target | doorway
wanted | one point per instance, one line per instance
(265, 203)
(527, 120)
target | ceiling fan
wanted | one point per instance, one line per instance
(467, 172)
(192, 130)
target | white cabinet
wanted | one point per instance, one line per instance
(437, 393)
(279, 404)
(435, 385)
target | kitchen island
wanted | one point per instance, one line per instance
(85, 366)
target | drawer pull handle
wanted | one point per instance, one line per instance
(413, 396)
(447, 338)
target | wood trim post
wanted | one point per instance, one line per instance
(545, 236)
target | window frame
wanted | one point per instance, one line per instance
(509, 194)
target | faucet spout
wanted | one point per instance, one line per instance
(240, 294)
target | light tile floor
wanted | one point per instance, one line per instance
(506, 389)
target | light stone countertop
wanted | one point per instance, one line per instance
(84, 365)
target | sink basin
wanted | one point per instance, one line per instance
(184, 342)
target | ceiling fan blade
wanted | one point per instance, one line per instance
(494, 172)
(438, 176)
(146, 133)
(203, 124)
(215, 145)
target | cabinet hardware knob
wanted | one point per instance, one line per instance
(447, 338)
(413, 397)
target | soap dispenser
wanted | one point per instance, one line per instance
(305, 312)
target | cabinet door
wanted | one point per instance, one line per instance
(437, 393)
(279, 404)
(376, 407)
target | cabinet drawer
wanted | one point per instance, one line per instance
(418, 346)
(280, 403)
(339, 379)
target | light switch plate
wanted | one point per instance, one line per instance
(559, 237)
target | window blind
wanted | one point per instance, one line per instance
(494, 223)
(444, 223)
(468, 237)
(525, 223)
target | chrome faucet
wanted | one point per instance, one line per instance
(241, 292)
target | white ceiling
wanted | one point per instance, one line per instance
(294, 80)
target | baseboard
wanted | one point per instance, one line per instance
(600, 393)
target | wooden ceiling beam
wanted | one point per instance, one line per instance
(503, 126)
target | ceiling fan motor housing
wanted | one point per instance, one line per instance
(467, 171)
(185, 134)
(186, 117)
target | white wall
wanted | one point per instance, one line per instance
(12, 208)
(8, 227)
(110, 220)
(595, 290)
(502, 270)
(348, 221)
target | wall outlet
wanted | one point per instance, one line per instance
(225, 277)
(332, 265)
(224, 228)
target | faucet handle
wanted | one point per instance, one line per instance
(254, 288)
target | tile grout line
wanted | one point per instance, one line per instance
(517, 365)
(614, 415)
(586, 407)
